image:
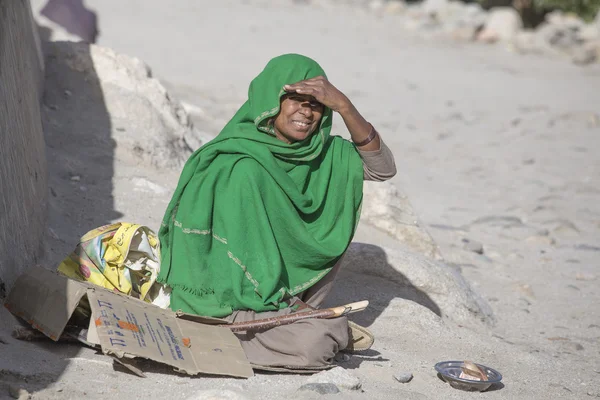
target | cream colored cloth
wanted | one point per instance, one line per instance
(310, 343)
(378, 165)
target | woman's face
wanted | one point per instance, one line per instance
(298, 117)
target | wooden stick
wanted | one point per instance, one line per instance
(326, 313)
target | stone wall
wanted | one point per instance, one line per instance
(23, 177)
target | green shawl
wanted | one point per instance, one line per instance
(254, 220)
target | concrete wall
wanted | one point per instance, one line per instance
(23, 181)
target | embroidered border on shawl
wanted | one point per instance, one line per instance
(306, 285)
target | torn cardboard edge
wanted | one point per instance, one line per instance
(127, 327)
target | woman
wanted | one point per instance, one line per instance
(264, 212)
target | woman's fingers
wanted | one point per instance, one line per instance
(321, 89)
(318, 81)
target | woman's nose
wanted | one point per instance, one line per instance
(306, 109)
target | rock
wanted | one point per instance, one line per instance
(540, 240)
(463, 33)
(585, 277)
(503, 24)
(376, 5)
(464, 22)
(435, 7)
(557, 38)
(217, 394)
(526, 42)
(145, 185)
(587, 53)
(474, 246)
(427, 282)
(18, 393)
(587, 247)
(562, 227)
(321, 388)
(395, 7)
(337, 376)
(589, 32)
(403, 377)
(342, 357)
(386, 209)
(425, 23)
(559, 18)
(147, 123)
(504, 221)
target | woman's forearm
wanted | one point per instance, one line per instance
(358, 127)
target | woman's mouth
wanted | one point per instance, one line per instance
(301, 125)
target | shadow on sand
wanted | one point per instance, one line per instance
(80, 157)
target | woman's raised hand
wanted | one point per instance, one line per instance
(322, 90)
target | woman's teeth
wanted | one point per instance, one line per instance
(301, 124)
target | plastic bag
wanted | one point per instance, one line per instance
(122, 257)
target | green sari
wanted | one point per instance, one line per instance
(255, 221)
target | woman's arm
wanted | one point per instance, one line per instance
(378, 161)
(328, 95)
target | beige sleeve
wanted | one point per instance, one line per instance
(378, 165)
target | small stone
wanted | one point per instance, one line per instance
(68, 93)
(503, 23)
(376, 5)
(587, 247)
(321, 388)
(395, 7)
(585, 277)
(540, 240)
(76, 178)
(403, 377)
(342, 357)
(337, 376)
(585, 54)
(474, 246)
(18, 393)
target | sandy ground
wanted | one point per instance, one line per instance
(491, 146)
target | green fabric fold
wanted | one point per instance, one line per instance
(253, 220)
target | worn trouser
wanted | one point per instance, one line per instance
(302, 344)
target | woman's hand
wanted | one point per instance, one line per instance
(328, 95)
(323, 91)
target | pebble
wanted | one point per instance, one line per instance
(342, 357)
(474, 246)
(587, 247)
(321, 388)
(403, 377)
(540, 240)
(585, 277)
(337, 376)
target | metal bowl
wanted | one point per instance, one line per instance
(450, 372)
